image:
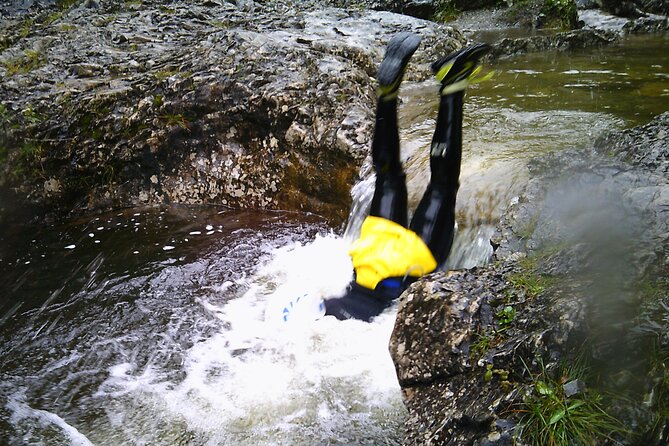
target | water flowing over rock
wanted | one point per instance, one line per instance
(574, 255)
(256, 105)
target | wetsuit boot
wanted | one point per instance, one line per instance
(434, 219)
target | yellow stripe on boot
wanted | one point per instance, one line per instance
(386, 249)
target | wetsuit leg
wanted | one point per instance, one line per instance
(390, 192)
(434, 219)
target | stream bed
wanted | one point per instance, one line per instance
(147, 326)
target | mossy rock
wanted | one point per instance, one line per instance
(539, 14)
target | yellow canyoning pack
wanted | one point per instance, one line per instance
(386, 249)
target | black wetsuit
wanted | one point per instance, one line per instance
(434, 219)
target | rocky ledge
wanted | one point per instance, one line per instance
(571, 320)
(254, 105)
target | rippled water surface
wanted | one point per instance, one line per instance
(149, 326)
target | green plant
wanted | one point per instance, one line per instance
(490, 371)
(481, 345)
(550, 417)
(445, 11)
(30, 61)
(560, 13)
(178, 119)
(5, 116)
(30, 116)
(505, 317)
(31, 150)
(530, 283)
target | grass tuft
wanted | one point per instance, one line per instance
(552, 418)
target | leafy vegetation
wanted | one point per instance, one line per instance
(31, 60)
(176, 120)
(505, 317)
(445, 11)
(653, 325)
(551, 417)
(560, 14)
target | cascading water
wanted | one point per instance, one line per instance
(148, 326)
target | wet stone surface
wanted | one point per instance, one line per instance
(593, 229)
(108, 105)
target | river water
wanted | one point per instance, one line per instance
(148, 326)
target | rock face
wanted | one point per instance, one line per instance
(581, 277)
(257, 105)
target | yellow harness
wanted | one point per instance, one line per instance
(386, 249)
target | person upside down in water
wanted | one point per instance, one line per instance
(391, 252)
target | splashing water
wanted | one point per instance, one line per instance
(184, 348)
(159, 326)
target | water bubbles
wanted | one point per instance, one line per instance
(70, 246)
(168, 248)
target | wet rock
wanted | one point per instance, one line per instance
(654, 6)
(538, 14)
(646, 146)
(621, 8)
(582, 38)
(589, 230)
(574, 387)
(201, 103)
(647, 25)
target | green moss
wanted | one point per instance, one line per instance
(164, 74)
(26, 27)
(4, 152)
(66, 27)
(158, 100)
(53, 17)
(31, 60)
(104, 21)
(219, 24)
(66, 4)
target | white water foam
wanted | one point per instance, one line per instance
(22, 413)
(257, 381)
